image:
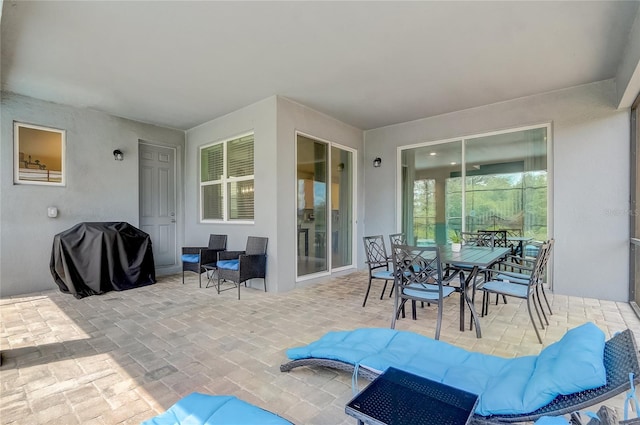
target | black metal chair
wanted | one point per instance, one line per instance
(517, 269)
(398, 239)
(240, 266)
(499, 237)
(418, 277)
(513, 284)
(378, 263)
(195, 257)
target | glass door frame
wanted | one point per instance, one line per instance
(328, 242)
(463, 139)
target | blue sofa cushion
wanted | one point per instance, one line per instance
(570, 365)
(504, 386)
(203, 409)
(229, 264)
(190, 258)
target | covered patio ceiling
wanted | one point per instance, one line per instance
(369, 64)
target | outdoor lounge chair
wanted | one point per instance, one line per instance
(204, 409)
(574, 373)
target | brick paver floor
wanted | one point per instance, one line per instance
(123, 357)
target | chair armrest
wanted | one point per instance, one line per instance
(515, 275)
(252, 266)
(229, 255)
(192, 249)
(519, 259)
(504, 266)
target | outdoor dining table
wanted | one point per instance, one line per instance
(475, 258)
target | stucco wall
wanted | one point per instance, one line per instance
(259, 118)
(292, 118)
(274, 122)
(98, 188)
(590, 178)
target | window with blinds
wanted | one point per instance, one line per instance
(226, 180)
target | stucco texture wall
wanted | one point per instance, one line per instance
(590, 178)
(97, 187)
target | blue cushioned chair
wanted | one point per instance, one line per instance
(418, 277)
(378, 263)
(195, 257)
(523, 286)
(203, 409)
(240, 266)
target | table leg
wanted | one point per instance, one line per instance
(462, 291)
(464, 297)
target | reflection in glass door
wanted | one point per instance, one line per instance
(341, 207)
(324, 206)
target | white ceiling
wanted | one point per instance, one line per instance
(368, 64)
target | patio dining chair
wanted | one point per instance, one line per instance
(240, 266)
(398, 239)
(499, 237)
(418, 277)
(194, 258)
(518, 269)
(377, 262)
(514, 285)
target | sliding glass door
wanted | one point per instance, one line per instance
(486, 182)
(324, 206)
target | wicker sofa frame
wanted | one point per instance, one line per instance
(620, 359)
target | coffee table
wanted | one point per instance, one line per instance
(397, 397)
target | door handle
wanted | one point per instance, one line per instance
(173, 221)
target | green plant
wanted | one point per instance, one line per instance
(454, 236)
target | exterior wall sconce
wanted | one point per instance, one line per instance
(118, 155)
(377, 162)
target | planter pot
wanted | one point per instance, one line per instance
(455, 247)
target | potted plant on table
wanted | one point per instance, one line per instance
(456, 241)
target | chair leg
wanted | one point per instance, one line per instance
(367, 293)
(540, 304)
(183, 277)
(396, 312)
(265, 284)
(439, 322)
(533, 323)
(200, 278)
(239, 289)
(544, 294)
(384, 288)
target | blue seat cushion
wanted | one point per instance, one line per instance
(504, 385)
(507, 288)
(228, 264)
(520, 278)
(385, 274)
(411, 291)
(204, 409)
(190, 258)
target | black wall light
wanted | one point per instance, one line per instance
(377, 162)
(117, 155)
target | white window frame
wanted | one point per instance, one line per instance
(550, 177)
(17, 178)
(224, 181)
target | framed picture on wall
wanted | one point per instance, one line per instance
(38, 155)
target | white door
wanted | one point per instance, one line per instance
(158, 201)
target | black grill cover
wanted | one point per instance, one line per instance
(93, 258)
